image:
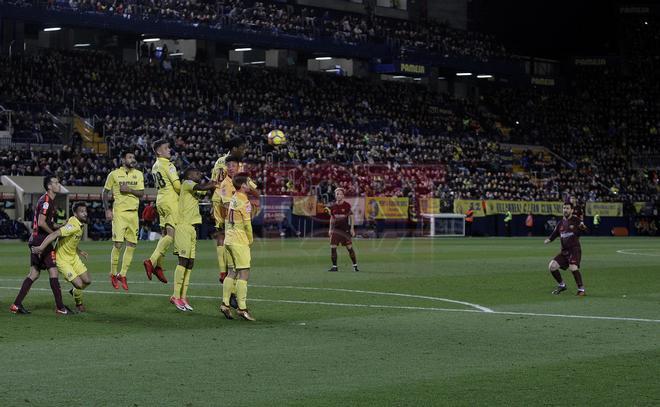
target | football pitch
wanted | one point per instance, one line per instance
(425, 322)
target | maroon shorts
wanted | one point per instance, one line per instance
(45, 260)
(568, 257)
(340, 237)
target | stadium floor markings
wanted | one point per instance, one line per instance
(345, 290)
(632, 252)
(379, 306)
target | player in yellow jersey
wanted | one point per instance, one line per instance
(186, 234)
(237, 148)
(238, 238)
(167, 181)
(127, 187)
(67, 253)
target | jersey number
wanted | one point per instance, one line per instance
(158, 180)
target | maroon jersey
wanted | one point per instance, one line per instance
(568, 230)
(340, 213)
(45, 206)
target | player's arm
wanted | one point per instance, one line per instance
(107, 189)
(207, 186)
(82, 253)
(351, 223)
(247, 222)
(48, 240)
(332, 225)
(553, 235)
(125, 189)
(41, 222)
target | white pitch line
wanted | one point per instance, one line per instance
(345, 290)
(340, 304)
(629, 252)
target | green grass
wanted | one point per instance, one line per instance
(135, 350)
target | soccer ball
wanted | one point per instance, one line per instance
(276, 138)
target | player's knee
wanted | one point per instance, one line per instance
(33, 274)
(191, 263)
(117, 245)
(349, 248)
(129, 244)
(333, 246)
(553, 266)
(573, 267)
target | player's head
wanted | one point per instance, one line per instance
(128, 159)
(162, 148)
(232, 162)
(79, 210)
(193, 174)
(339, 194)
(51, 184)
(237, 146)
(568, 209)
(240, 182)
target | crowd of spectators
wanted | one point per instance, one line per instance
(370, 137)
(306, 22)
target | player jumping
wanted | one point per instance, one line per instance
(342, 229)
(127, 186)
(186, 234)
(167, 204)
(568, 229)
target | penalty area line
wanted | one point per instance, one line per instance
(400, 307)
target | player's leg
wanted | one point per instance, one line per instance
(221, 254)
(241, 294)
(229, 285)
(81, 281)
(179, 275)
(114, 260)
(333, 253)
(189, 266)
(54, 281)
(153, 265)
(575, 269)
(351, 253)
(130, 236)
(17, 306)
(554, 266)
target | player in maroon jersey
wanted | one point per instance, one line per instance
(42, 225)
(568, 230)
(341, 229)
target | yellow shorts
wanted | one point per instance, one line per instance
(70, 268)
(226, 262)
(239, 255)
(125, 226)
(185, 241)
(168, 213)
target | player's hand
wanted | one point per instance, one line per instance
(546, 241)
(108, 215)
(37, 250)
(83, 254)
(352, 233)
(124, 189)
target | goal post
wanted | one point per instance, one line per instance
(445, 224)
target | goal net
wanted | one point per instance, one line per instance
(445, 224)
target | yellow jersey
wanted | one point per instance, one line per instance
(189, 204)
(238, 226)
(220, 168)
(166, 179)
(67, 244)
(134, 179)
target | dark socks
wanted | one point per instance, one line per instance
(578, 278)
(57, 292)
(351, 253)
(557, 275)
(25, 288)
(333, 255)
